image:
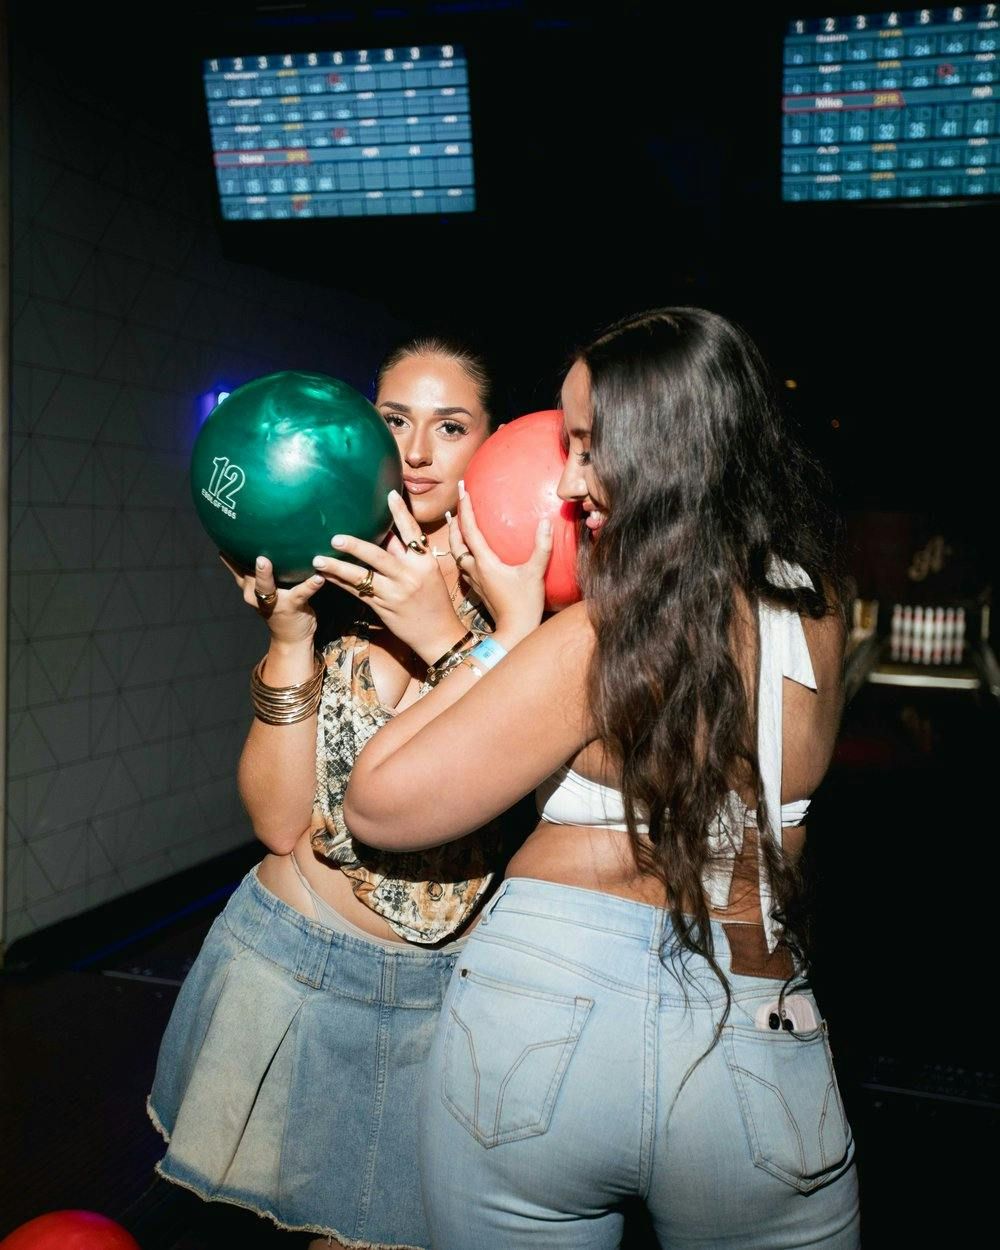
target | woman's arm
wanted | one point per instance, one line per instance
(473, 746)
(277, 769)
(277, 772)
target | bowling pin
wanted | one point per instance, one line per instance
(906, 641)
(948, 646)
(937, 637)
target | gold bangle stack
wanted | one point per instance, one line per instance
(451, 658)
(286, 705)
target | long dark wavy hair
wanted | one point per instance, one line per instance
(702, 485)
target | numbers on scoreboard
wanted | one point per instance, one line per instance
(304, 139)
(892, 103)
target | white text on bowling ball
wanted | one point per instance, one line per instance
(227, 479)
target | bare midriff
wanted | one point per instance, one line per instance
(601, 859)
(277, 875)
(584, 856)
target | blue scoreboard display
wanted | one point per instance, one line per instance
(892, 106)
(373, 132)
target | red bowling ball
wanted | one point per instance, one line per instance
(70, 1230)
(512, 482)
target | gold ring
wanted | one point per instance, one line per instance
(266, 601)
(463, 555)
(364, 587)
(418, 544)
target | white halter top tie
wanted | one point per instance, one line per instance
(567, 798)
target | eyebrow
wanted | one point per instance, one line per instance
(581, 434)
(438, 412)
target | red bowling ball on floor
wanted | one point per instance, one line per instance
(512, 482)
(70, 1230)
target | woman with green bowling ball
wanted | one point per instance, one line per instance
(631, 1017)
(288, 1074)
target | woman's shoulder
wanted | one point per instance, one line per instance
(571, 626)
(559, 650)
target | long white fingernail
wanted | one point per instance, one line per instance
(394, 494)
(461, 488)
(447, 516)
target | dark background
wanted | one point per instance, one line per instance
(627, 156)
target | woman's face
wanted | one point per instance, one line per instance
(579, 482)
(433, 409)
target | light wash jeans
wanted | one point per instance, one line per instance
(556, 1088)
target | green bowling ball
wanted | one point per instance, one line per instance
(287, 461)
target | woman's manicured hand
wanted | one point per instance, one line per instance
(289, 614)
(513, 593)
(403, 583)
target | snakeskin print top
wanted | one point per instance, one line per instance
(423, 896)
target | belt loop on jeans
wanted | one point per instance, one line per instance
(310, 965)
(488, 909)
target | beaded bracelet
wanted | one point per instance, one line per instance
(286, 705)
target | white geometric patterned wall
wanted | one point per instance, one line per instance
(130, 648)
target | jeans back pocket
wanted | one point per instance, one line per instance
(506, 1051)
(788, 1095)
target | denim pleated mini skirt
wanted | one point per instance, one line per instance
(289, 1073)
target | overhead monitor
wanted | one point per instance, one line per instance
(363, 132)
(900, 105)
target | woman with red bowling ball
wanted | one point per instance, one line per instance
(288, 1075)
(631, 1015)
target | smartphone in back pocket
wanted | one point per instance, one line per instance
(796, 1014)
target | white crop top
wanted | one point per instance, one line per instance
(567, 798)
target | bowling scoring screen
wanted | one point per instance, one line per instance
(900, 105)
(373, 132)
